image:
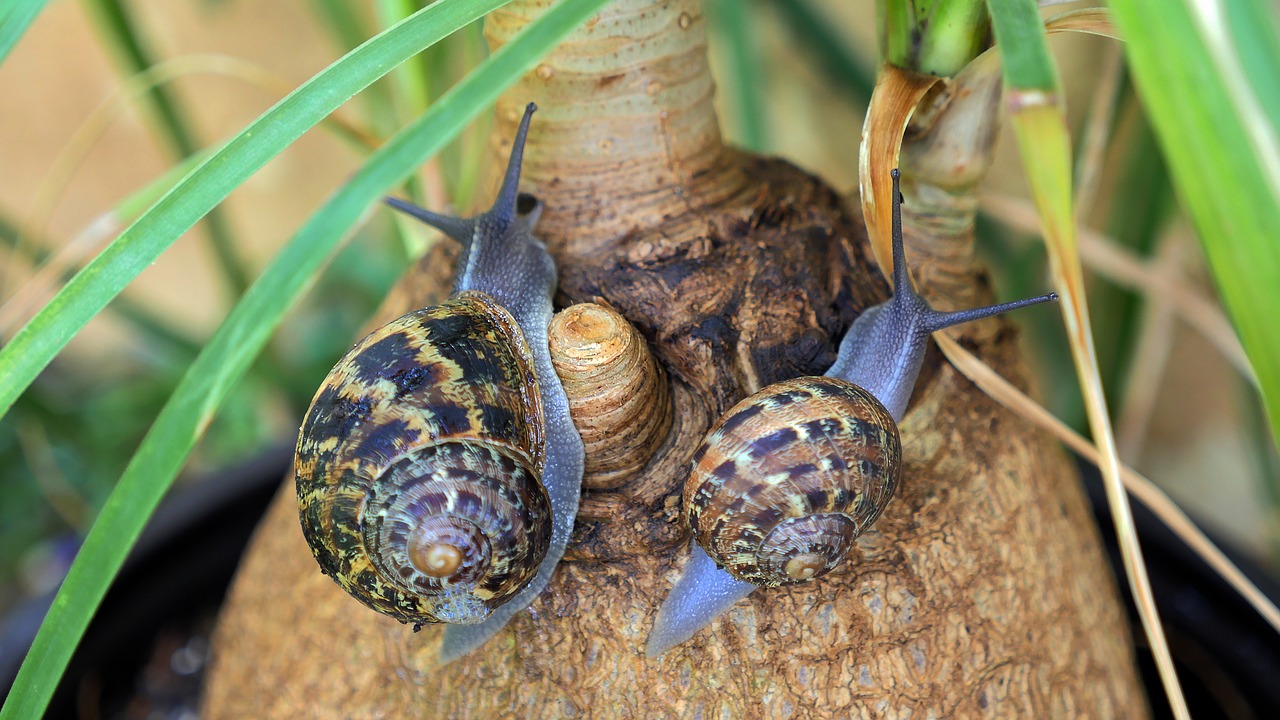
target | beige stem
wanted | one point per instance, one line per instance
(627, 136)
(947, 151)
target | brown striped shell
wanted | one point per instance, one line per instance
(618, 396)
(790, 476)
(419, 461)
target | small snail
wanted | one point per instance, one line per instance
(437, 469)
(788, 478)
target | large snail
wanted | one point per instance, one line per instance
(788, 478)
(438, 471)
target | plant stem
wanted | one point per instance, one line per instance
(673, 152)
(936, 37)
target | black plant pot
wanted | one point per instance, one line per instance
(1228, 657)
(144, 654)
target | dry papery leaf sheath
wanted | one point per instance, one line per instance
(981, 590)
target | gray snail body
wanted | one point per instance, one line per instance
(788, 478)
(437, 469)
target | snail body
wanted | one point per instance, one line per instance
(788, 478)
(437, 469)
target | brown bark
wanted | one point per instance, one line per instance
(981, 591)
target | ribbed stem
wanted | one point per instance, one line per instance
(627, 136)
(945, 155)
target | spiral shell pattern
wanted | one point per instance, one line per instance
(419, 461)
(618, 396)
(790, 476)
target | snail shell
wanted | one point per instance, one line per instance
(790, 476)
(419, 462)
(618, 396)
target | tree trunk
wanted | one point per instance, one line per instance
(981, 591)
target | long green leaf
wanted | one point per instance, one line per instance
(143, 319)
(241, 337)
(1223, 149)
(15, 20)
(93, 287)
(1034, 99)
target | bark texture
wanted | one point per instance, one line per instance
(980, 592)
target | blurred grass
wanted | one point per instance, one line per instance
(120, 30)
(734, 20)
(32, 348)
(15, 18)
(1223, 149)
(1037, 113)
(831, 52)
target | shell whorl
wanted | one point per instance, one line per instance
(790, 476)
(618, 396)
(418, 465)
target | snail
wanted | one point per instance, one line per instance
(788, 478)
(437, 469)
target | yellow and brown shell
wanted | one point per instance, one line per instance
(790, 476)
(419, 464)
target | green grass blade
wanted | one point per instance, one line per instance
(1033, 97)
(348, 29)
(93, 287)
(152, 326)
(413, 87)
(242, 336)
(14, 21)
(1223, 149)
(1024, 49)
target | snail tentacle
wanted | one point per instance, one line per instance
(520, 273)
(884, 349)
